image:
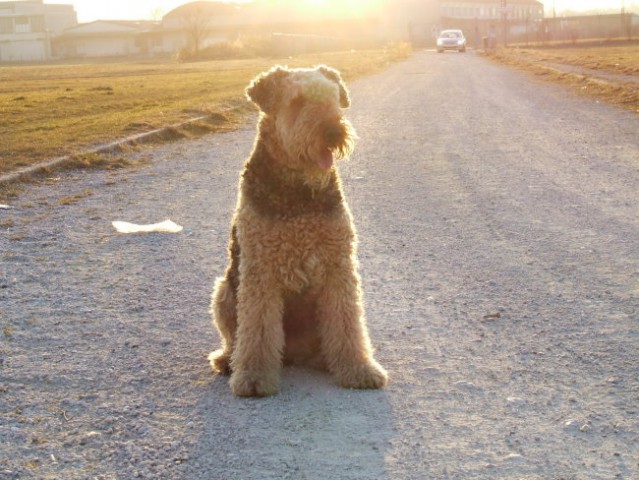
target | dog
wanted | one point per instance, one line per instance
(291, 291)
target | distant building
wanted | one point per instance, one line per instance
(34, 31)
(201, 22)
(416, 21)
(104, 38)
(27, 27)
(522, 18)
(196, 25)
(486, 10)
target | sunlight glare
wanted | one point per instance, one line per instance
(348, 8)
(89, 10)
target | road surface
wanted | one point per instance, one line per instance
(499, 246)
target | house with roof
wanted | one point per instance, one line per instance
(198, 24)
(194, 24)
(104, 38)
(27, 27)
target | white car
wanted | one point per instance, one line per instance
(451, 40)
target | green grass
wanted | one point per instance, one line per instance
(54, 110)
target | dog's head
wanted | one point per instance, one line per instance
(303, 110)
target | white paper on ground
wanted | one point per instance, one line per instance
(5, 207)
(167, 226)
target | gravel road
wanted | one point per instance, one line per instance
(499, 247)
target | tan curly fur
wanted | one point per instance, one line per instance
(291, 291)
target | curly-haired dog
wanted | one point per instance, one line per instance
(291, 292)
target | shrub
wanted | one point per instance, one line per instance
(245, 47)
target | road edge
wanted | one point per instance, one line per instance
(31, 171)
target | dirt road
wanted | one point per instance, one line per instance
(499, 247)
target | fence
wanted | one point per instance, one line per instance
(614, 26)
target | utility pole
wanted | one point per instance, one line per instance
(504, 14)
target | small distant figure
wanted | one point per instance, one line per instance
(492, 38)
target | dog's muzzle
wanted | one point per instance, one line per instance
(334, 135)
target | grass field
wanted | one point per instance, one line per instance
(54, 110)
(612, 73)
(621, 59)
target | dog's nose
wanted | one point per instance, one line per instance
(333, 135)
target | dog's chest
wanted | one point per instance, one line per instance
(311, 250)
(301, 252)
(299, 233)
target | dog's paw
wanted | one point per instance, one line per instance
(220, 362)
(366, 375)
(254, 385)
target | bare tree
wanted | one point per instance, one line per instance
(198, 24)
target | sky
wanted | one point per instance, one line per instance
(89, 10)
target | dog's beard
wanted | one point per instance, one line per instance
(345, 147)
(312, 145)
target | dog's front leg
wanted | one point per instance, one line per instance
(256, 362)
(345, 343)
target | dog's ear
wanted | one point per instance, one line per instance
(264, 90)
(332, 74)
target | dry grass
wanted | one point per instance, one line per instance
(51, 111)
(613, 59)
(9, 191)
(73, 199)
(612, 73)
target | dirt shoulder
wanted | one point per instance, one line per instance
(607, 73)
(499, 252)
